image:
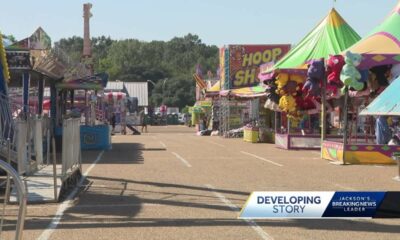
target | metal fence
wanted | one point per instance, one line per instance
(37, 130)
(71, 146)
(29, 142)
(7, 126)
(21, 145)
(19, 128)
(22, 198)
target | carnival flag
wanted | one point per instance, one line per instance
(199, 71)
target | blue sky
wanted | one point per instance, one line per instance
(217, 22)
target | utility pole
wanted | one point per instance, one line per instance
(87, 57)
(87, 45)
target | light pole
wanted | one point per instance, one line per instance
(154, 84)
(164, 84)
(151, 82)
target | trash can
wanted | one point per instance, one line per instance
(251, 134)
(175, 119)
(169, 119)
(266, 135)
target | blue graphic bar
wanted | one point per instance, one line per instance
(267, 205)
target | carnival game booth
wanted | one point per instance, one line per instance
(295, 85)
(256, 122)
(212, 93)
(21, 100)
(94, 132)
(201, 115)
(244, 115)
(380, 58)
(205, 112)
(33, 64)
(240, 91)
(386, 105)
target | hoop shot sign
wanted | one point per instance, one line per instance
(245, 61)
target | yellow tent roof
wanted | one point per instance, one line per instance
(3, 60)
(215, 88)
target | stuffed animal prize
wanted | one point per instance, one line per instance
(350, 76)
(334, 65)
(315, 73)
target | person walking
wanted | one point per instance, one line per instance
(143, 120)
(113, 121)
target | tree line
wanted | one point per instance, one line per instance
(168, 64)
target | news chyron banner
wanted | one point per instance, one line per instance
(263, 205)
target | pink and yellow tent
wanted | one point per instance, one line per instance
(382, 45)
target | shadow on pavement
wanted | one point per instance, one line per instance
(172, 185)
(104, 207)
(98, 207)
(121, 153)
(70, 221)
(107, 203)
(153, 149)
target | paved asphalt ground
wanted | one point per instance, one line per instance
(171, 184)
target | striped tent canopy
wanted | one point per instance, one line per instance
(386, 104)
(247, 92)
(114, 96)
(199, 81)
(382, 45)
(331, 36)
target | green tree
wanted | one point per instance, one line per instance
(72, 46)
(134, 60)
(10, 37)
(177, 91)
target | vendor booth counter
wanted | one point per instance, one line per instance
(358, 153)
(299, 142)
(96, 137)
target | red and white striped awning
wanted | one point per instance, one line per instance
(114, 96)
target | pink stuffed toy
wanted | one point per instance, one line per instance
(334, 64)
